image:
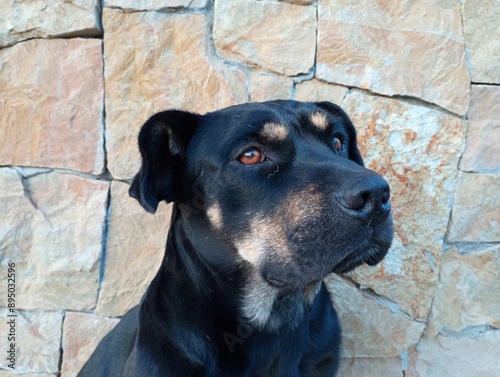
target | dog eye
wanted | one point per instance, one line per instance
(337, 144)
(252, 157)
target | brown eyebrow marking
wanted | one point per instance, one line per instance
(319, 120)
(273, 132)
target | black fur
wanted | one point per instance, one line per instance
(239, 292)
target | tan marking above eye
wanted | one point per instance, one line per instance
(319, 120)
(273, 132)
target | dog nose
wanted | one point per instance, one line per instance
(367, 198)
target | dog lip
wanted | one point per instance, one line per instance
(276, 282)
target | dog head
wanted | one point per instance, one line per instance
(281, 185)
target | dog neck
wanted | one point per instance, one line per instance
(228, 286)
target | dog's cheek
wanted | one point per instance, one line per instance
(214, 215)
(264, 235)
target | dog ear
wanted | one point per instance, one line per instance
(163, 141)
(337, 112)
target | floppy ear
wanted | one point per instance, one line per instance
(163, 141)
(337, 112)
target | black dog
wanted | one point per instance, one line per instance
(286, 201)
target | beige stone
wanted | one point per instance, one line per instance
(476, 211)
(315, 91)
(482, 31)
(156, 61)
(411, 48)
(135, 248)
(21, 20)
(256, 34)
(52, 108)
(471, 356)
(416, 149)
(38, 338)
(265, 87)
(81, 334)
(370, 367)
(52, 230)
(482, 149)
(299, 2)
(154, 4)
(467, 293)
(371, 327)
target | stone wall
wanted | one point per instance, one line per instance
(419, 78)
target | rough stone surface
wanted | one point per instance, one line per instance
(154, 4)
(165, 57)
(370, 367)
(467, 293)
(81, 335)
(476, 211)
(416, 149)
(482, 150)
(52, 108)
(370, 327)
(52, 230)
(315, 90)
(135, 248)
(21, 20)
(386, 47)
(38, 337)
(481, 29)
(471, 356)
(264, 87)
(299, 2)
(253, 32)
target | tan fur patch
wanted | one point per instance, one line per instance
(273, 132)
(258, 301)
(319, 120)
(263, 232)
(304, 204)
(214, 215)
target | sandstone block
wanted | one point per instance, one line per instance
(154, 4)
(482, 150)
(265, 34)
(416, 149)
(476, 215)
(52, 228)
(410, 48)
(134, 251)
(481, 29)
(264, 87)
(471, 356)
(370, 367)
(166, 58)
(299, 2)
(467, 293)
(315, 91)
(51, 113)
(38, 337)
(370, 328)
(81, 335)
(21, 20)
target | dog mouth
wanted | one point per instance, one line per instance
(370, 256)
(276, 282)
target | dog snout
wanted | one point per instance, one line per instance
(367, 198)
